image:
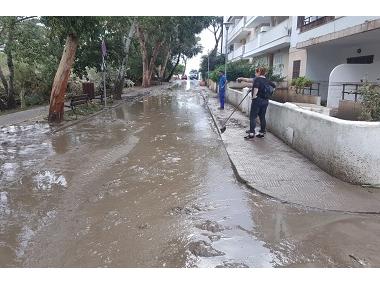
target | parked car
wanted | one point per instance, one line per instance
(184, 77)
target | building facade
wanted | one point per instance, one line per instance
(335, 52)
(261, 39)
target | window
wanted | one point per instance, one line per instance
(367, 59)
(277, 59)
(296, 68)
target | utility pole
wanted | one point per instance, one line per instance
(227, 26)
(208, 65)
(104, 53)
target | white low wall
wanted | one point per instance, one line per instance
(348, 150)
(234, 97)
(346, 73)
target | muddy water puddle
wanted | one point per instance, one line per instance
(149, 184)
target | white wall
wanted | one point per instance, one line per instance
(321, 60)
(350, 73)
(331, 27)
(348, 150)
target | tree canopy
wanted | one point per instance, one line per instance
(139, 48)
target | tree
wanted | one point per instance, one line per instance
(126, 42)
(72, 28)
(180, 69)
(167, 39)
(152, 33)
(187, 43)
(7, 37)
(210, 62)
(216, 27)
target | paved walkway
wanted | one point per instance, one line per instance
(275, 169)
(40, 113)
(35, 114)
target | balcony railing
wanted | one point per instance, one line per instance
(254, 21)
(239, 52)
(252, 45)
(311, 22)
(277, 32)
(236, 29)
(236, 53)
(280, 31)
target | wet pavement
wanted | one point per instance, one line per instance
(149, 184)
(272, 167)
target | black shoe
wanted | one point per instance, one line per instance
(262, 132)
(220, 108)
(247, 131)
(249, 137)
(260, 135)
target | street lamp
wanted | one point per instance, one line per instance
(227, 25)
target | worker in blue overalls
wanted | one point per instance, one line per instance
(222, 88)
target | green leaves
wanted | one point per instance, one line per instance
(76, 26)
(370, 102)
(242, 68)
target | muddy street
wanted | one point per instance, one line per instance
(149, 184)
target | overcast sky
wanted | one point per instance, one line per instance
(208, 42)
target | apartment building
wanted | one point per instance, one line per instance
(338, 53)
(261, 39)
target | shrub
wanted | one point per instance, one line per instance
(243, 68)
(300, 83)
(34, 99)
(370, 102)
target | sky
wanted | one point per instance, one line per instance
(208, 42)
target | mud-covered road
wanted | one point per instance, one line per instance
(149, 184)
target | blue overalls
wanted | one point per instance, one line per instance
(222, 90)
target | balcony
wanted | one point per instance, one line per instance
(311, 22)
(254, 21)
(252, 45)
(277, 37)
(237, 32)
(236, 54)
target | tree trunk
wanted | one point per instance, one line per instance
(4, 81)
(11, 102)
(184, 70)
(57, 96)
(173, 69)
(22, 98)
(148, 65)
(120, 81)
(163, 68)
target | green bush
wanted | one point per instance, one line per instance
(34, 99)
(370, 102)
(300, 83)
(243, 68)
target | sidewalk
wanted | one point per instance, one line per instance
(273, 168)
(34, 114)
(40, 113)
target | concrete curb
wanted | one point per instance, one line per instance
(262, 191)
